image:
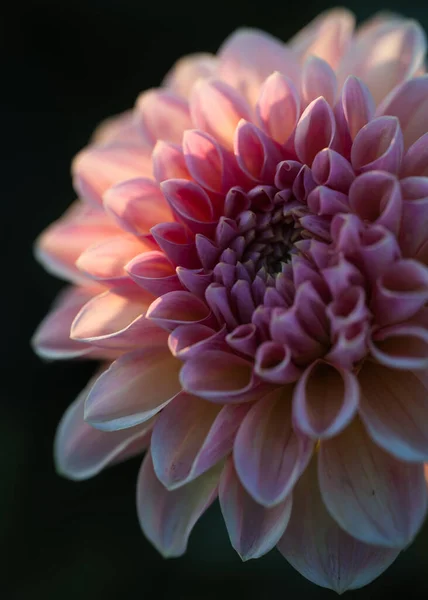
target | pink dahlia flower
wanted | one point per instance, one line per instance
(248, 259)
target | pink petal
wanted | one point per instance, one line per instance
(409, 103)
(168, 162)
(177, 243)
(325, 201)
(394, 409)
(52, 338)
(400, 292)
(401, 346)
(190, 203)
(326, 37)
(188, 70)
(105, 261)
(137, 205)
(244, 339)
(256, 153)
(315, 130)
(357, 104)
(376, 197)
(269, 456)
(178, 308)
(318, 79)
(217, 375)
(163, 115)
(350, 346)
(414, 223)
(135, 387)
(348, 308)
(153, 272)
(249, 56)
(96, 169)
(273, 362)
(119, 129)
(325, 400)
(385, 55)
(81, 451)
(331, 169)
(379, 249)
(253, 529)
(167, 518)
(113, 320)
(217, 109)
(187, 341)
(191, 436)
(374, 497)
(61, 244)
(278, 107)
(378, 145)
(320, 550)
(415, 161)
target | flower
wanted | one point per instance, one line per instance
(248, 259)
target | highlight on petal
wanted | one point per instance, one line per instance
(168, 162)
(190, 203)
(205, 160)
(325, 400)
(401, 346)
(168, 517)
(357, 104)
(188, 70)
(315, 545)
(373, 496)
(135, 387)
(394, 409)
(269, 455)
(52, 337)
(191, 436)
(253, 529)
(256, 153)
(178, 308)
(378, 145)
(81, 451)
(163, 115)
(318, 79)
(278, 107)
(315, 130)
(153, 272)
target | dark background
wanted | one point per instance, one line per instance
(66, 65)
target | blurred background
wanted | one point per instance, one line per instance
(65, 66)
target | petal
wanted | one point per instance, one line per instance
(163, 115)
(153, 272)
(373, 496)
(112, 320)
(318, 79)
(217, 109)
(394, 409)
(415, 161)
(332, 170)
(248, 56)
(315, 130)
(273, 362)
(191, 436)
(168, 162)
(190, 203)
(357, 104)
(188, 70)
(52, 338)
(175, 240)
(135, 387)
(95, 169)
(167, 518)
(278, 107)
(269, 456)
(256, 153)
(187, 341)
(378, 145)
(401, 346)
(178, 308)
(137, 205)
(414, 224)
(81, 451)
(253, 529)
(320, 550)
(325, 400)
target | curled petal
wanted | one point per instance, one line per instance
(269, 455)
(401, 346)
(52, 337)
(379, 249)
(187, 70)
(195, 280)
(325, 201)
(135, 387)
(325, 400)
(373, 496)
(253, 529)
(178, 308)
(394, 409)
(248, 56)
(218, 375)
(168, 517)
(315, 130)
(218, 299)
(320, 550)
(154, 273)
(376, 197)
(378, 145)
(190, 203)
(409, 103)
(113, 320)
(278, 107)
(348, 308)
(400, 292)
(190, 436)
(414, 224)
(168, 162)
(415, 162)
(244, 339)
(163, 115)
(81, 451)
(318, 79)
(97, 168)
(286, 173)
(137, 205)
(357, 105)
(350, 346)
(175, 240)
(187, 341)
(256, 153)
(332, 170)
(273, 363)
(217, 109)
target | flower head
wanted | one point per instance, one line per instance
(248, 259)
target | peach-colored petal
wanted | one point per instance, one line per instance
(318, 79)
(278, 107)
(163, 115)
(315, 130)
(188, 70)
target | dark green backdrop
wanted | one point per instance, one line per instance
(65, 65)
